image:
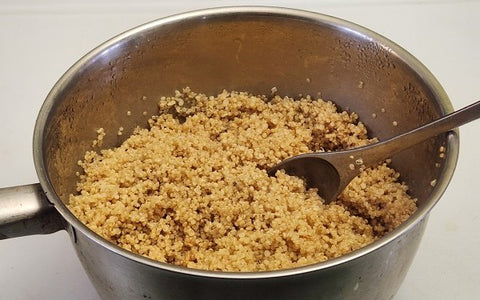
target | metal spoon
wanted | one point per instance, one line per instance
(331, 172)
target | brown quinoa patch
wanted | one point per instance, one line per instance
(193, 189)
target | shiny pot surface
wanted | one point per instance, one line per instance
(246, 49)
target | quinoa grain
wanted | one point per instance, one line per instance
(193, 189)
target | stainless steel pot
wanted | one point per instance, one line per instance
(236, 48)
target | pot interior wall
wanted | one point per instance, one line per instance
(119, 84)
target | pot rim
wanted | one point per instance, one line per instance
(444, 104)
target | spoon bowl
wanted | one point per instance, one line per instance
(331, 172)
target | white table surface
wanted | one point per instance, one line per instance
(39, 41)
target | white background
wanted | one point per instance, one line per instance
(39, 41)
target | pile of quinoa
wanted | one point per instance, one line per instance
(193, 190)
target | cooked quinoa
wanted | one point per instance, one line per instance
(193, 189)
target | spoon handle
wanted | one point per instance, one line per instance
(383, 150)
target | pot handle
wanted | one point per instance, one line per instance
(25, 210)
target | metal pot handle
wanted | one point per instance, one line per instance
(25, 210)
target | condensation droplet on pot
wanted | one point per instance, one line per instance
(360, 84)
(433, 182)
